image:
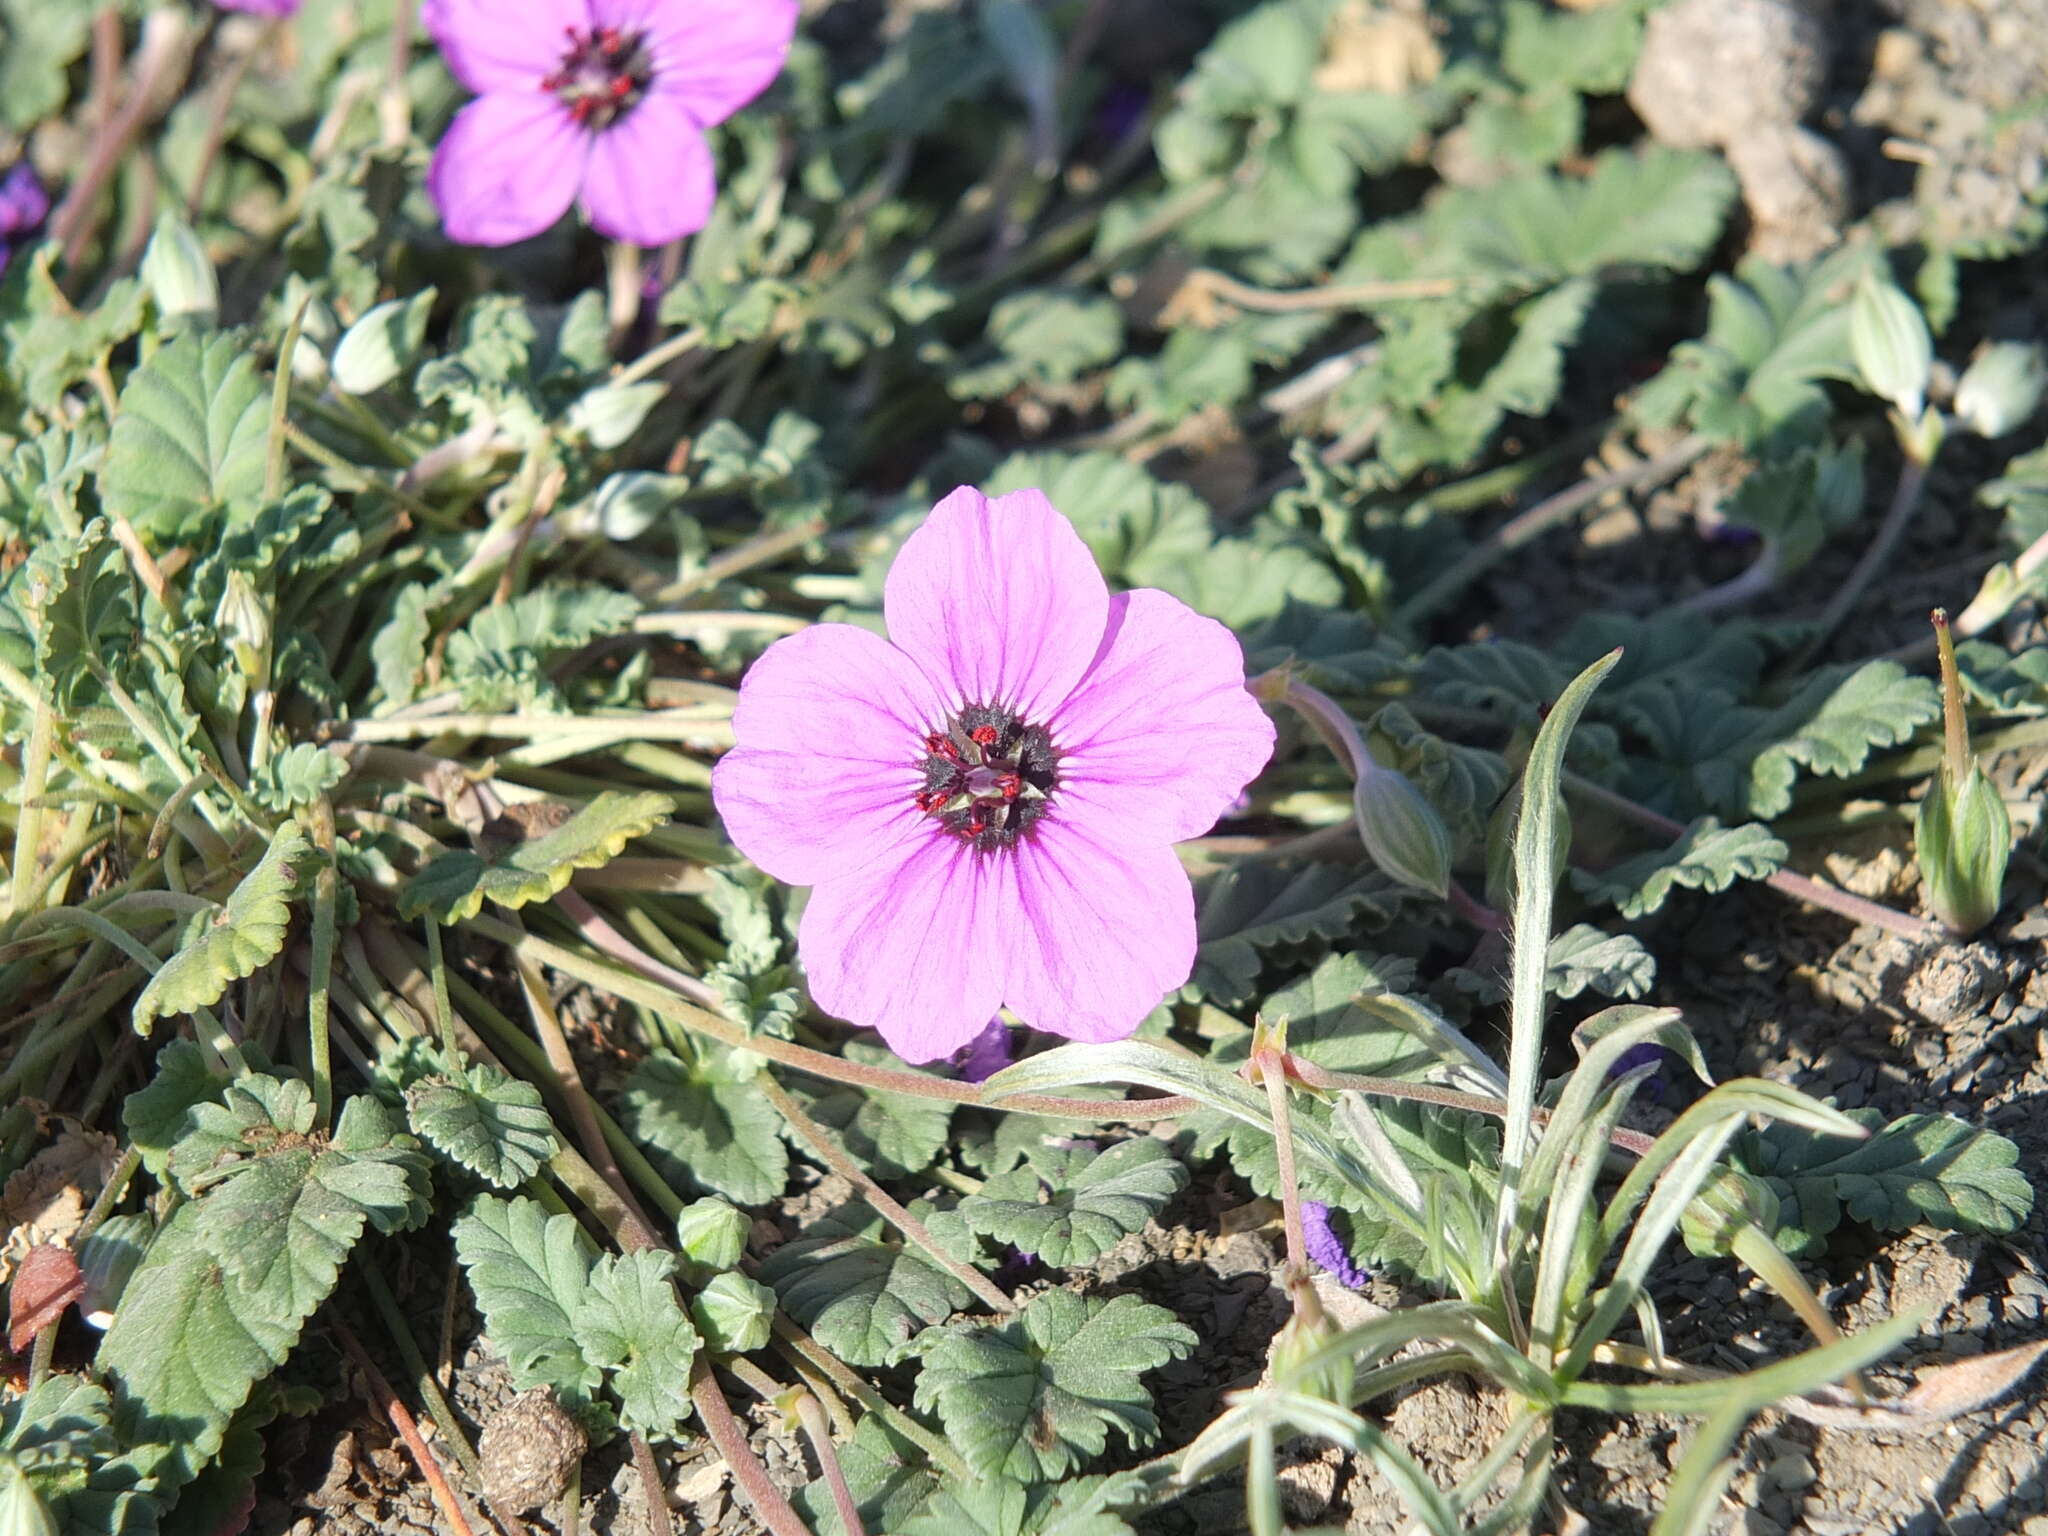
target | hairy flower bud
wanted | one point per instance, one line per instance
(2002, 388)
(711, 1233)
(1889, 340)
(179, 273)
(243, 618)
(733, 1313)
(1402, 831)
(22, 1510)
(1962, 835)
(1729, 1202)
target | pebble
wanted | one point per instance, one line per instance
(1791, 1471)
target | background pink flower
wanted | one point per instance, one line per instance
(986, 802)
(609, 98)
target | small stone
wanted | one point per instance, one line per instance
(1791, 1471)
(528, 1450)
(1711, 71)
(2027, 1283)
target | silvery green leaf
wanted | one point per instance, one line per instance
(611, 413)
(733, 1313)
(628, 504)
(711, 1233)
(383, 344)
(1889, 340)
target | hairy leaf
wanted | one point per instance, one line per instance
(239, 939)
(1034, 1397)
(705, 1126)
(530, 1272)
(1253, 907)
(1832, 725)
(631, 1323)
(492, 1124)
(190, 436)
(161, 1113)
(886, 1473)
(1708, 857)
(454, 886)
(891, 1134)
(297, 776)
(860, 1292)
(80, 602)
(1920, 1170)
(1615, 964)
(1070, 1206)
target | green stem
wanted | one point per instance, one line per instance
(28, 828)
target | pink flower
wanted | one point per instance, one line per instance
(986, 803)
(609, 98)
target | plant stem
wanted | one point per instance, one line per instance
(937, 1448)
(820, 1141)
(1898, 517)
(812, 1063)
(1310, 1075)
(1955, 731)
(1541, 518)
(812, 1417)
(408, 1431)
(437, 1405)
(1798, 887)
(770, 1507)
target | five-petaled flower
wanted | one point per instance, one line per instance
(986, 802)
(609, 98)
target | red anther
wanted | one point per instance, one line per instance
(941, 745)
(621, 87)
(984, 735)
(582, 109)
(931, 799)
(1011, 784)
(977, 821)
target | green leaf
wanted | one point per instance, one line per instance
(1043, 338)
(1070, 1206)
(1253, 907)
(893, 1135)
(1034, 1397)
(185, 1348)
(886, 1473)
(239, 939)
(297, 776)
(1708, 857)
(1832, 725)
(492, 1124)
(861, 1293)
(190, 436)
(498, 660)
(161, 1113)
(631, 1323)
(454, 886)
(43, 41)
(707, 1127)
(1920, 1170)
(1336, 651)
(80, 603)
(1615, 964)
(1590, 51)
(1134, 524)
(530, 1272)
(997, 1506)
(1462, 783)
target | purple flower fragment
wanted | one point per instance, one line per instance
(261, 7)
(23, 207)
(1648, 1054)
(606, 100)
(985, 804)
(1327, 1248)
(985, 1055)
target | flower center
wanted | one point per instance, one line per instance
(988, 776)
(603, 75)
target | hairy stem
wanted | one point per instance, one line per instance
(770, 1507)
(820, 1141)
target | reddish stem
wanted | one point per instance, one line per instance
(408, 1431)
(770, 1506)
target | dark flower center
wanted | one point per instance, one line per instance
(603, 75)
(988, 776)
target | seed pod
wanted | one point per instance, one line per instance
(1402, 831)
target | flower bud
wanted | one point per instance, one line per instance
(1402, 831)
(381, 345)
(1962, 836)
(179, 273)
(611, 413)
(1889, 340)
(107, 1259)
(2002, 388)
(627, 505)
(1729, 1202)
(733, 1313)
(711, 1233)
(243, 619)
(22, 1510)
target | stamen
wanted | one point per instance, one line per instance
(988, 776)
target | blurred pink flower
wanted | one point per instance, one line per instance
(606, 98)
(986, 802)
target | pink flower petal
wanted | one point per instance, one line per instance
(830, 724)
(503, 45)
(913, 948)
(1096, 933)
(714, 56)
(507, 168)
(1162, 734)
(999, 601)
(651, 179)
